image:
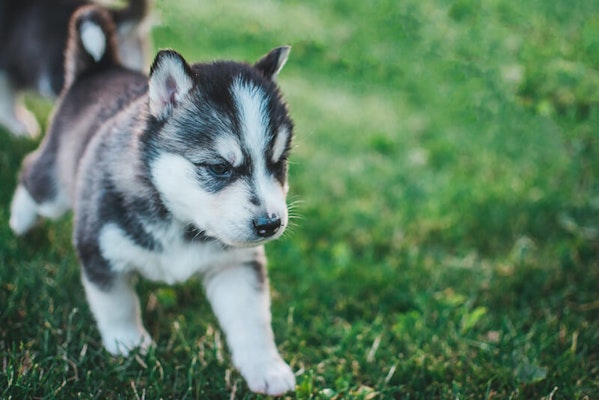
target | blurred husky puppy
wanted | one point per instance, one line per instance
(33, 37)
(181, 174)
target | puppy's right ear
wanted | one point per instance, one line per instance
(271, 64)
(171, 79)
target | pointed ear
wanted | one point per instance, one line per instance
(271, 64)
(170, 80)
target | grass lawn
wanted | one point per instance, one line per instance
(445, 183)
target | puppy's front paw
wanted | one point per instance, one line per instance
(272, 377)
(122, 342)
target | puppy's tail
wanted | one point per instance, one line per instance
(91, 44)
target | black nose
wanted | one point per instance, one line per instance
(267, 226)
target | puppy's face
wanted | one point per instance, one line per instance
(220, 144)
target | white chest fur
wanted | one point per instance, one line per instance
(176, 261)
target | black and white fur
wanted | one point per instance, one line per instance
(33, 37)
(182, 174)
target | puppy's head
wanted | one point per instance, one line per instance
(217, 145)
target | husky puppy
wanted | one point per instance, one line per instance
(33, 37)
(181, 174)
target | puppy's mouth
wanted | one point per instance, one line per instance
(195, 234)
(252, 242)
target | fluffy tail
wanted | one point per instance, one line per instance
(92, 42)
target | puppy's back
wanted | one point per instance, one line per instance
(97, 87)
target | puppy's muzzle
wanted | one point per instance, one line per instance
(267, 226)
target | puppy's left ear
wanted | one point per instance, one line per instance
(271, 64)
(170, 81)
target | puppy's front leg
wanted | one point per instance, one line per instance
(117, 313)
(240, 299)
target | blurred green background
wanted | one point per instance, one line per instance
(444, 189)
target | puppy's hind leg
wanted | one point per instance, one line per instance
(37, 194)
(23, 211)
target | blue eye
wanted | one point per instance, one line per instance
(221, 170)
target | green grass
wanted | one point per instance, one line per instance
(445, 175)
